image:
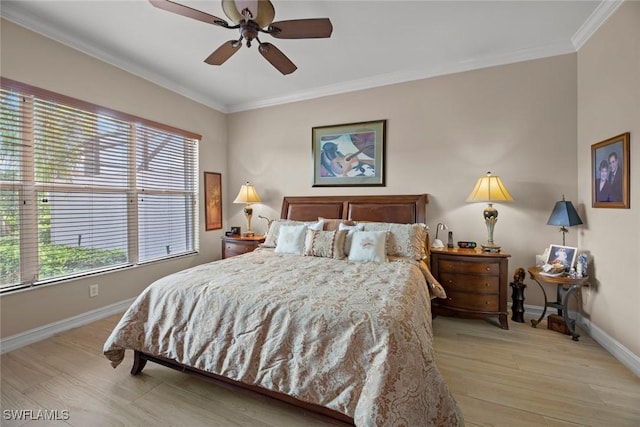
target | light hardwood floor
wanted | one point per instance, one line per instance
(519, 377)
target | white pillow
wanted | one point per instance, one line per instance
(272, 235)
(318, 226)
(291, 239)
(350, 230)
(368, 246)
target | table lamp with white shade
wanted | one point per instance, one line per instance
(489, 188)
(248, 195)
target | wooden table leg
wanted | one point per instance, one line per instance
(536, 322)
(570, 322)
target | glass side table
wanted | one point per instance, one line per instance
(564, 283)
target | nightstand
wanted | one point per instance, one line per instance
(238, 245)
(475, 282)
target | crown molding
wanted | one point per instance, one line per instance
(598, 17)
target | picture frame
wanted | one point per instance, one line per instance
(565, 255)
(349, 155)
(212, 201)
(612, 192)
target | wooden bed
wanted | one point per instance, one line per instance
(392, 208)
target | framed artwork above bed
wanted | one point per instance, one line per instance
(349, 155)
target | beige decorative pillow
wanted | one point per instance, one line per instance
(327, 244)
(271, 239)
(368, 246)
(404, 240)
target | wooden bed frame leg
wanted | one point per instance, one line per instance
(139, 361)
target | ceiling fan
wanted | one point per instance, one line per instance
(252, 17)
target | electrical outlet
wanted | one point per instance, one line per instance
(93, 291)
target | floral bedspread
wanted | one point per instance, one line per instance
(353, 337)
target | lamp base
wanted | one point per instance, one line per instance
(490, 247)
(437, 244)
(248, 234)
(490, 218)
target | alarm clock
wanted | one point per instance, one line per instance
(466, 245)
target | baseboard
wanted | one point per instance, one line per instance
(43, 332)
(617, 350)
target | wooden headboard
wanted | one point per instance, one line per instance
(404, 209)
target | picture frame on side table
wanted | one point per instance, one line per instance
(212, 201)
(610, 167)
(565, 255)
(349, 155)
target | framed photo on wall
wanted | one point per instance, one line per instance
(610, 173)
(212, 201)
(349, 155)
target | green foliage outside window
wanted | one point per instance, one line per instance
(56, 260)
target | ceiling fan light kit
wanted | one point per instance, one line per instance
(252, 17)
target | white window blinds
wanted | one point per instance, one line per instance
(84, 189)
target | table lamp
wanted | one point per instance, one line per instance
(248, 195)
(490, 189)
(564, 215)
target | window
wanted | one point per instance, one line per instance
(85, 189)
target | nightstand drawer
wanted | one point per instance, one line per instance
(452, 266)
(471, 302)
(233, 249)
(467, 283)
(237, 245)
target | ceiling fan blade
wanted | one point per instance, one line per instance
(301, 29)
(189, 12)
(277, 58)
(224, 52)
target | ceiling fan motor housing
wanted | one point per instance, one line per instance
(249, 31)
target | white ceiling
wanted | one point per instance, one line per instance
(373, 43)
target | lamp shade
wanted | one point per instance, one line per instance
(247, 194)
(564, 214)
(489, 188)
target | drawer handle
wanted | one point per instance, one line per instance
(488, 268)
(486, 285)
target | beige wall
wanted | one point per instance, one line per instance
(517, 121)
(608, 105)
(33, 59)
